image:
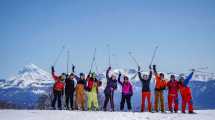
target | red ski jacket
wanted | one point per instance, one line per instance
(173, 87)
(59, 86)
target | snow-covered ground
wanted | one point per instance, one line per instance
(77, 115)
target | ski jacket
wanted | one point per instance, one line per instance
(160, 84)
(173, 87)
(111, 84)
(70, 86)
(126, 88)
(145, 83)
(184, 88)
(59, 85)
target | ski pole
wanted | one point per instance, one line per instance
(133, 58)
(93, 60)
(109, 52)
(154, 54)
(59, 54)
(68, 58)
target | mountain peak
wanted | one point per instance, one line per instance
(29, 76)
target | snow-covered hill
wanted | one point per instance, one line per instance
(77, 115)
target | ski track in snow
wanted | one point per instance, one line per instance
(78, 115)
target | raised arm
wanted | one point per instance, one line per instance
(55, 77)
(139, 74)
(155, 70)
(107, 73)
(189, 77)
(119, 81)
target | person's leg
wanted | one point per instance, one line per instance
(184, 102)
(122, 103)
(106, 102)
(82, 100)
(190, 103)
(54, 100)
(89, 101)
(156, 101)
(162, 101)
(143, 102)
(112, 101)
(149, 101)
(71, 101)
(170, 100)
(95, 101)
(67, 101)
(59, 95)
(176, 103)
(128, 100)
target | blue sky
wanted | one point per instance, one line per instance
(33, 31)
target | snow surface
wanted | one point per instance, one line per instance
(78, 115)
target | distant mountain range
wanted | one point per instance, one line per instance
(31, 88)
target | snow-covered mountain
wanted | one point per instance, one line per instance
(27, 88)
(29, 76)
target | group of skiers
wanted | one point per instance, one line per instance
(65, 85)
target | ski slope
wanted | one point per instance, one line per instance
(77, 115)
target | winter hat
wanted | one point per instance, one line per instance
(81, 74)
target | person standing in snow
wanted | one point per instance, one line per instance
(109, 90)
(146, 92)
(58, 89)
(127, 92)
(186, 92)
(160, 86)
(80, 91)
(173, 87)
(69, 90)
(92, 88)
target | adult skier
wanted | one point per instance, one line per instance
(58, 89)
(127, 92)
(173, 87)
(160, 86)
(146, 92)
(92, 88)
(109, 90)
(186, 92)
(69, 90)
(80, 91)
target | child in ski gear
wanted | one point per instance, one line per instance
(69, 90)
(160, 86)
(92, 88)
(80, 91)
(127, 92)
(173, 87)
(58, 89)
(186, 93)
(146, 92)
(109, 90)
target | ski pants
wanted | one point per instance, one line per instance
(187, 99)
(173, 99)
(92, 99)
(80, 96)
(146, 95)
(159, 98)
(69, 100)
(127, 99)
(108, 97)
(57, 97)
